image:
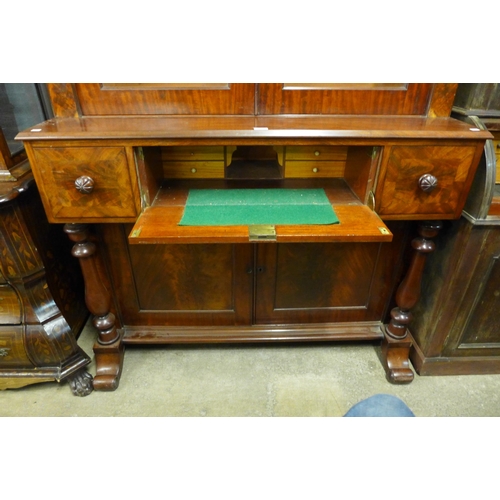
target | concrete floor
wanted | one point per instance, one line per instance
(319, 380)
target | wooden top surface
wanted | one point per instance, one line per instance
(249, 128)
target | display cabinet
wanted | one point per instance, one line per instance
(120, 163)
(456, 328)
(42, 307)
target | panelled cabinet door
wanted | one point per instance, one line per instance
(180, 285)
(100, 99)
(327, 282)
(421, 99)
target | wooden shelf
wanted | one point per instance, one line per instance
(159, 223)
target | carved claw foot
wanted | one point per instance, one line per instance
(81, 383)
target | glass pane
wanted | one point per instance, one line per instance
(20, 108)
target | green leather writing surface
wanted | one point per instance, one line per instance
(235, 207)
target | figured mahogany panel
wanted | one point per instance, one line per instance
(191, 285)
(442, 99)
(166, 99)
(64, 100)
(282, 98)
(401, 188)
(183, 277)
(312, 283)
(113, 193)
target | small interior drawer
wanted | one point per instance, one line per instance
(316, 153)
(306, 169)
(193, 170)
(193, 153)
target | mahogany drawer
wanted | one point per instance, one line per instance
(321, 153)
(315, 161)
(298, 169)
(193, 162)
(193, 153)
(193, 170)
(86, 183)
(424, 181)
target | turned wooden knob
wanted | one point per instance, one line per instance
(84, 184)
(427, 183)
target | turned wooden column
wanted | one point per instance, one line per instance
(396, 345)
(108, 349)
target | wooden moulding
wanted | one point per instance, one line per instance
(236, 130)
(452, 365)
(258, 333)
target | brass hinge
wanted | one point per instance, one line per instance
(262, 232)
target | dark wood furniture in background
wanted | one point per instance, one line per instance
(42, 308)
(457, 326)
(116, 164)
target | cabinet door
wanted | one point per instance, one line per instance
(172, 285)
(355, 99)
(98, 99)
(330, 282)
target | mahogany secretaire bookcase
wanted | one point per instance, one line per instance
(118, 163)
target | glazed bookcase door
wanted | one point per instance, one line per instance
(100, 99)
(420, 99)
